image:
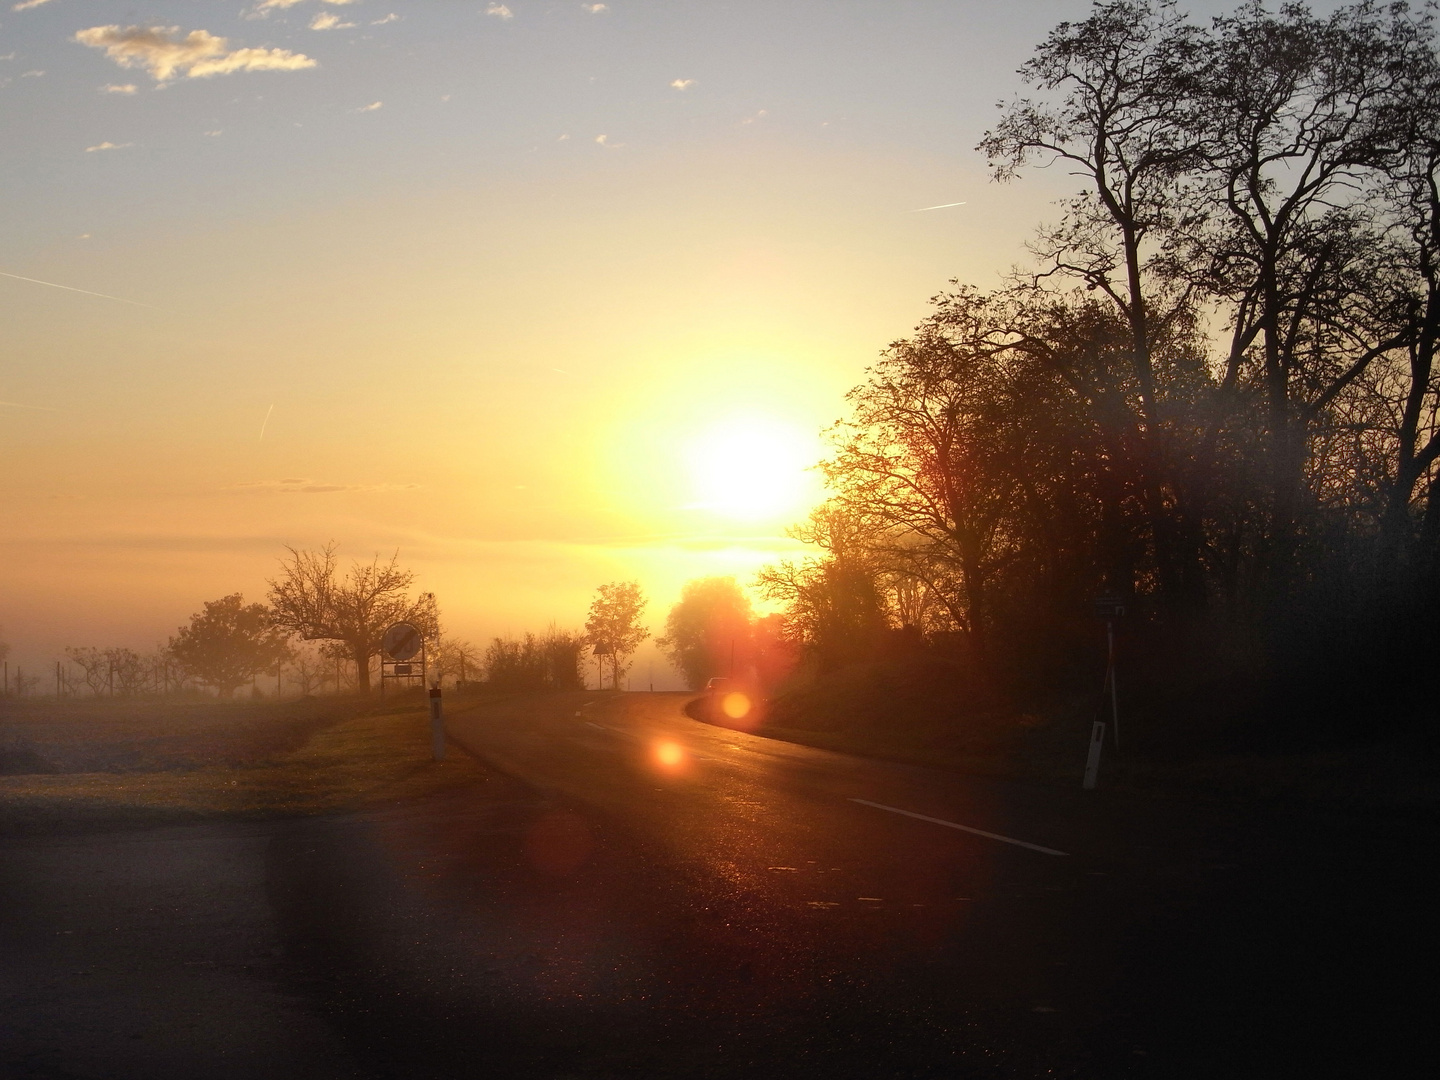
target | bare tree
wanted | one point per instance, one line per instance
(312, 601)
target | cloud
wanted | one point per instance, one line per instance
(164, 53)
(593, 9)
(271, 5)
(107, 146)
(329, 21)
(26, 5)
(758, 116)
(118, 88)
(371, 107)
(296, 485)
(392, 17)
(500, 11)
(682, 84)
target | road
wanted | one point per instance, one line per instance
(633, 893)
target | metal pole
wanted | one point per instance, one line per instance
(1114, 697)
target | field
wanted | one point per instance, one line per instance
(90, 762)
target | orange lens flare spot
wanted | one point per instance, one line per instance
(669, 754)
(736, 706)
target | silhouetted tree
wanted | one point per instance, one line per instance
(229, 643)
(613, 628)
(709, 632)
(312, 601)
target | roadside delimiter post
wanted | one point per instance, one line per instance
(437, 724)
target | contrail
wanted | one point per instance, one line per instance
(942, 206)
(267, 421)
(87, 292)
(18, 405)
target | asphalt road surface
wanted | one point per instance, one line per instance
(633, 893)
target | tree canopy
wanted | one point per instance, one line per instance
(228, 643)
(710, 631)
(1214, 391)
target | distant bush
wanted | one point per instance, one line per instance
(549, 661)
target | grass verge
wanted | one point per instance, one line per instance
(359, 762)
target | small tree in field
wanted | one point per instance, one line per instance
(613, 627)
(95, 666)
(230, 643)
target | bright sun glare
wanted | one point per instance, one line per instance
(752, 468)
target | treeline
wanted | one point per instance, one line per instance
(1213, 395)
(321, 632)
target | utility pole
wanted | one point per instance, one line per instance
(57, 680)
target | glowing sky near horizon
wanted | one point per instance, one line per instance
(543, 294)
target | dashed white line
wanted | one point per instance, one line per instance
(962, 828)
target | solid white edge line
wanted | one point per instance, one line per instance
(962, 828)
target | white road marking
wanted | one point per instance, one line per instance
(962, 828)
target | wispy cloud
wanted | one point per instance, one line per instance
(392, 17)
(682, 84)
(118, 88)
(26, 5)
(500, 11)
(107, 146)
(328, 20)
(295, 485)
(593, 9)
(165, 53)
(941, 206)
(761, 115)
(374, 105)
(273, 5)
(17, 404)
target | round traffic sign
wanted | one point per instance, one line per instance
(401, 641)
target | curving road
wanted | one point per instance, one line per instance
(629, 893)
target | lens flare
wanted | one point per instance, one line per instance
(669, 754)
(735, 705)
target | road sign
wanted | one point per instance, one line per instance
(401, 642)
(1109, 607)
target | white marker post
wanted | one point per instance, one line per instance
(1092, 763)
(437, 724)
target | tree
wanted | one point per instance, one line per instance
(95, 666)
(229, 643)
(614, 628)
(311, 601)
(457, 659)
(710, 631)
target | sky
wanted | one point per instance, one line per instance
(539, 294)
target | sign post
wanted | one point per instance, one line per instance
(398, 648)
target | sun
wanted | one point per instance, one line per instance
(753, 468)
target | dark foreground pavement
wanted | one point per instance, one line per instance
(631, 893)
